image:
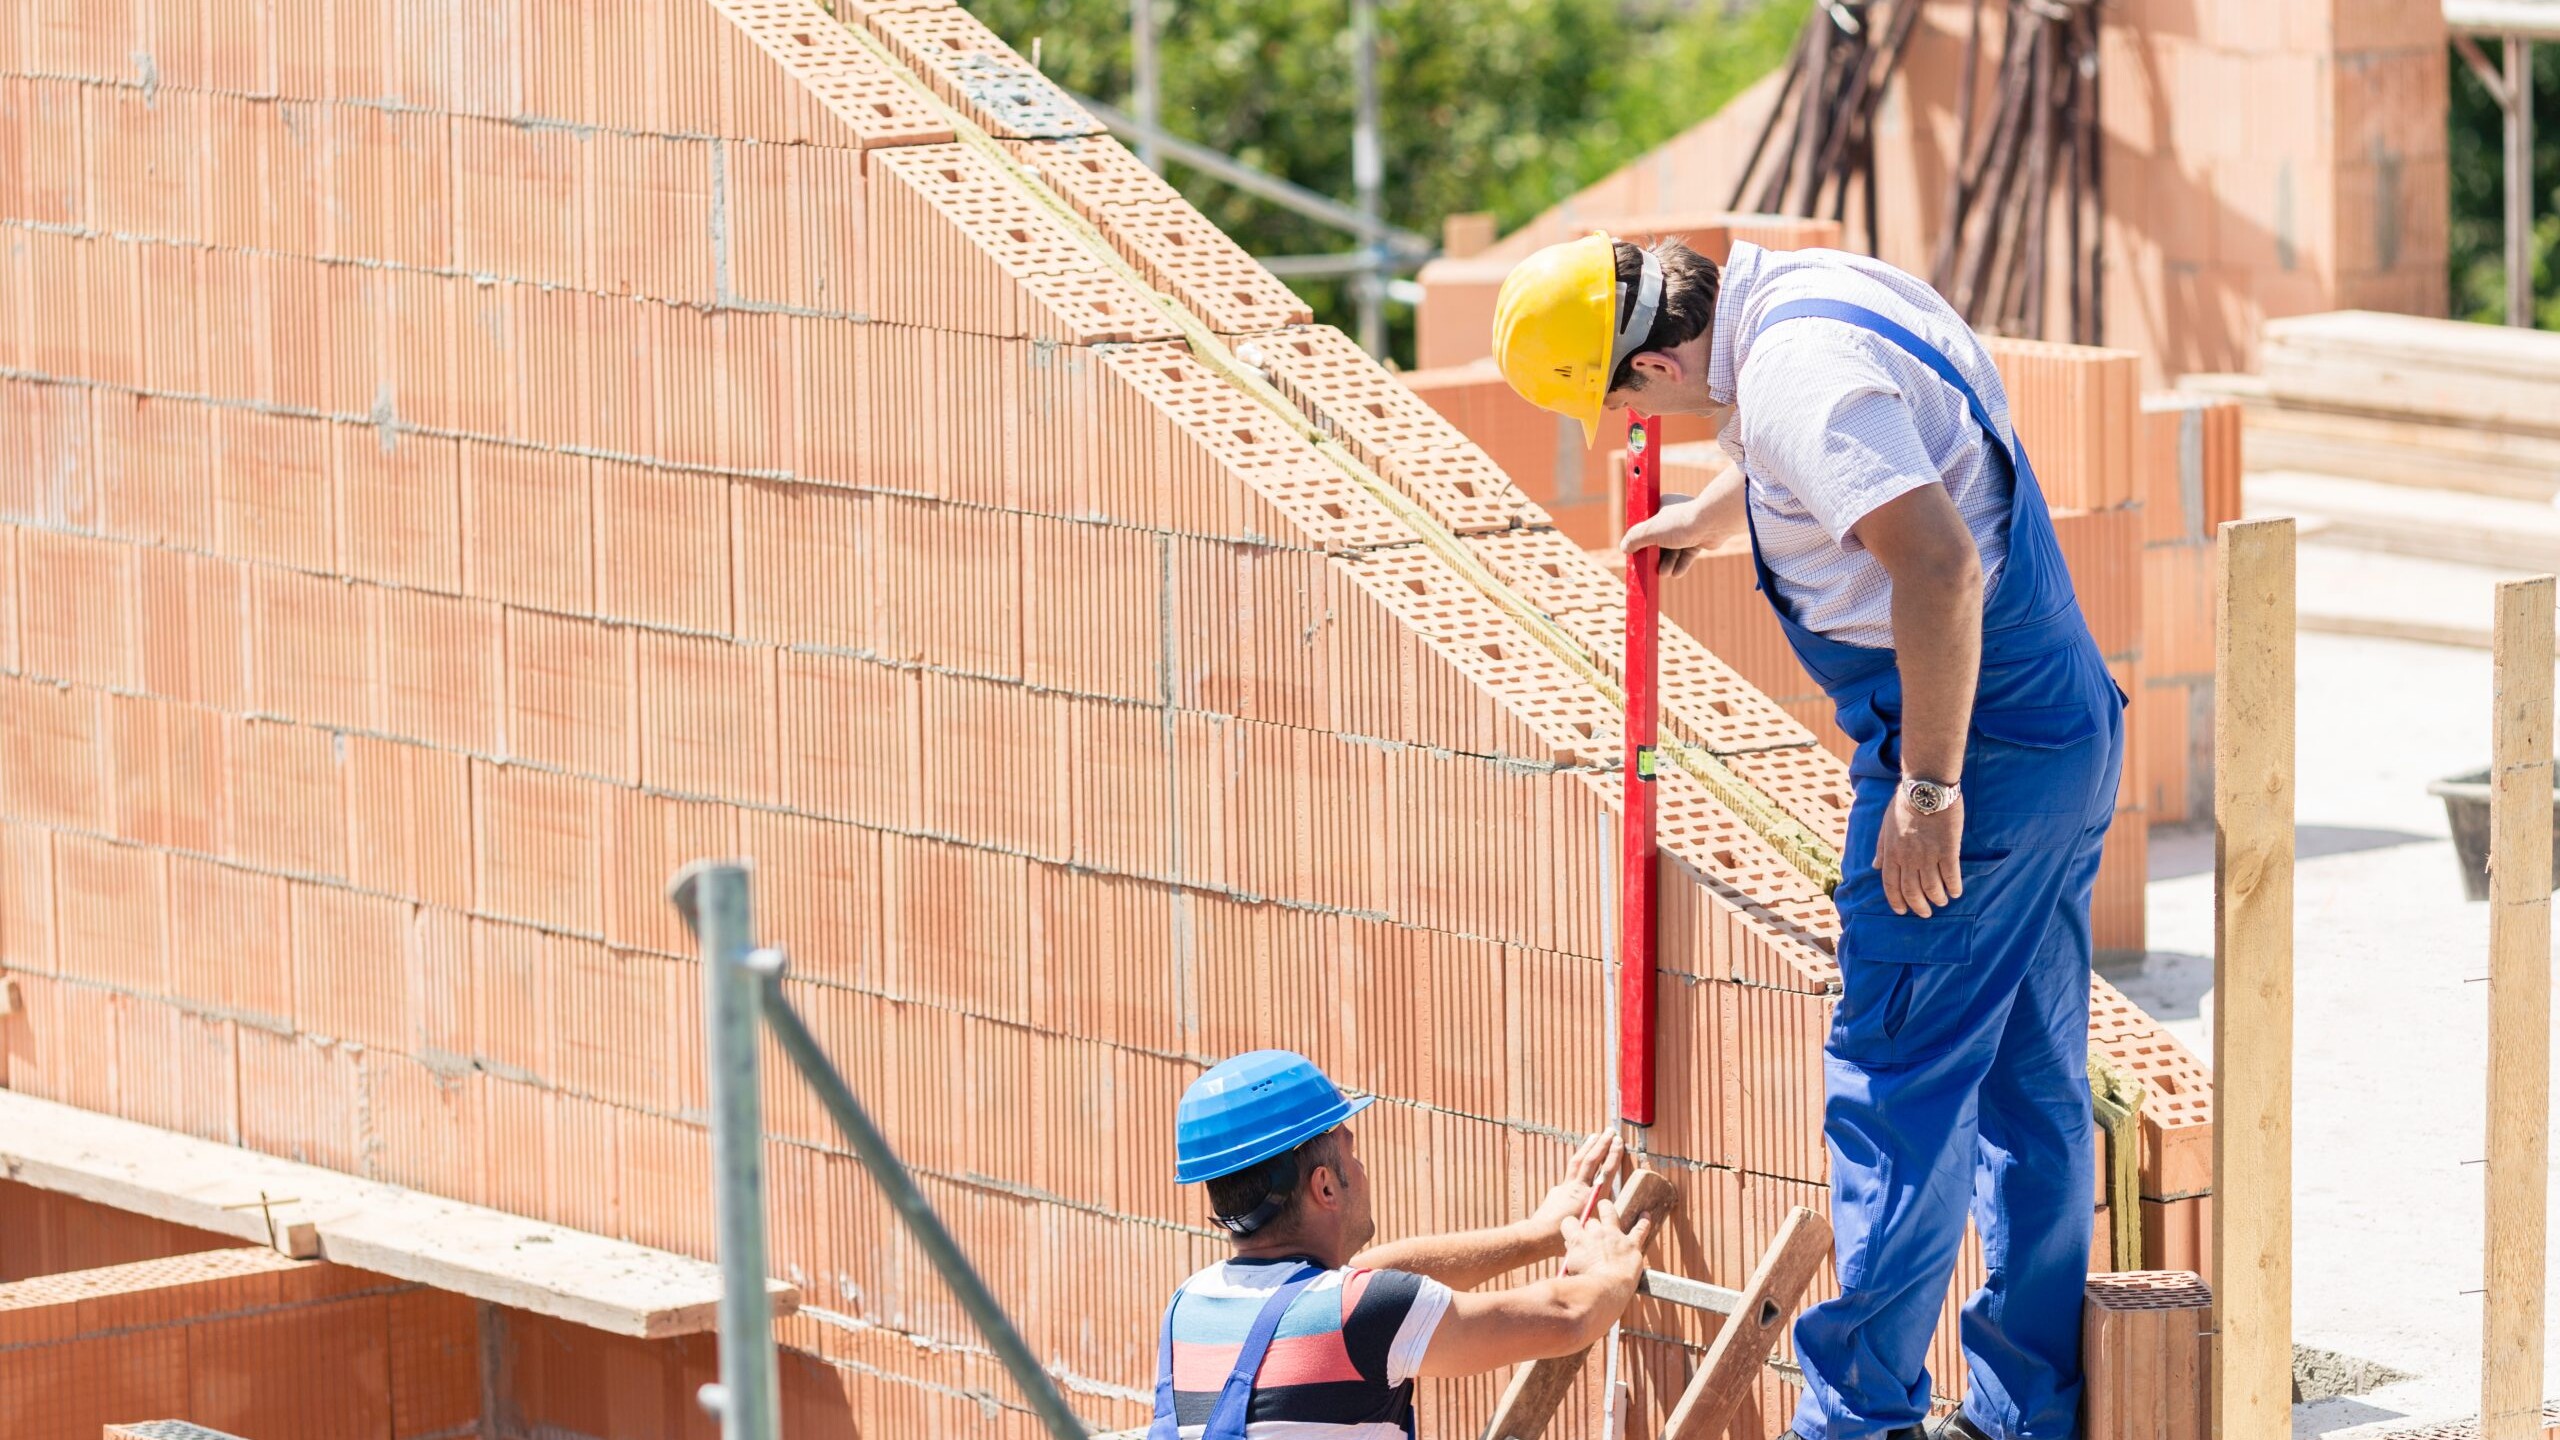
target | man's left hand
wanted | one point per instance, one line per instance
(1917, 855)
(1592, 1163)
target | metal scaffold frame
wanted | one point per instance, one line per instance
(742, 995)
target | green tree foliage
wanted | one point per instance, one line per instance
(2477, 140)
(1500, 105)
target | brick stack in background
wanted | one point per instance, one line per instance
(661, 431)
(2191, 461)
(1544, 454)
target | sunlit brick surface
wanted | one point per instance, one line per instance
(462, 461)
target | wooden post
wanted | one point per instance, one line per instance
(2511, 1322)
(2253, 982)
(1537, 1389)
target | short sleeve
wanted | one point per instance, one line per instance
(1820, 415)
(1393, 1315)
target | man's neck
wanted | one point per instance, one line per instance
(1292, 1247)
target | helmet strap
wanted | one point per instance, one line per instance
(1284, 1183)
(1639, 324)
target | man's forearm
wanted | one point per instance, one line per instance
(1937, 638)
(1467, 1258)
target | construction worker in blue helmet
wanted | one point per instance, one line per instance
(1311, 1329)
(1898, 532)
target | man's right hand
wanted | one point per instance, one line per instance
(1598, 1247)
(1681, 528)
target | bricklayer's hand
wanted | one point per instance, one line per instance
(1917, 855)
(1594, 1162)
(1680, 529)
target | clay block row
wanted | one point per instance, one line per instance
(2177, 1111)
(674, 70)
(2178, 590)
(692, 221)
(2174, 724)
(440, 353)
(957, 244)
(1545, 455)
(44, 1232)
(1391, 430)
(2190, 458)
(1158, 231)
(213, 1350)
(970, 68)
(2078, 411)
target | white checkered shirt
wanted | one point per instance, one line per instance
(1832, 421)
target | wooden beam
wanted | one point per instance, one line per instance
(2519, 1014)
(2253, 728)
(311, 1213)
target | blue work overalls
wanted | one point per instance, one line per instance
(1956, 1069)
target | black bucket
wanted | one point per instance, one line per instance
(2466, 809)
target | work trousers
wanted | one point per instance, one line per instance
(1956, 1078)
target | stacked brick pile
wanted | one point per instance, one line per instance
(602, 436)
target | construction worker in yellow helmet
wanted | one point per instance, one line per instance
(1899, 534)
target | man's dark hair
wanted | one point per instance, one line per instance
(1282, 1177)
(1689, 282)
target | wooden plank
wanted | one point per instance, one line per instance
(312, 1213)
(1695, 1294)
(1538, 1389)
(1733, 1363)
(2519, 1014)
(2253, 734)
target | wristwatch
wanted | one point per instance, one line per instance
(1928, 797)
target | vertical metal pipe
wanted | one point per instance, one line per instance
(1368, 175)
(1636, 918)
(2519, 180)
(714, 894)
(1143, 99)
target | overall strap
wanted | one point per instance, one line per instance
(1235, 1399)
(1902, 339)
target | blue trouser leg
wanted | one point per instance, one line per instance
(2034, 1205)
(1957, 1070)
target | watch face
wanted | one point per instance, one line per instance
(1927, 797)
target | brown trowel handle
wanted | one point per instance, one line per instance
(1750, 1332)
(1537, 1389)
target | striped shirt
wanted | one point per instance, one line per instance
(1831, 421)
(1341, 1366)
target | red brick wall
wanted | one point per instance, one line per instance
(471, 458)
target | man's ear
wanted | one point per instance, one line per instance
(1657, 366)
(1324, 1185)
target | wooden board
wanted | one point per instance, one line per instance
(312, 1213)
(2512, 1318)
(2253, 735)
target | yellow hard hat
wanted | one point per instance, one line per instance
(1555, 331)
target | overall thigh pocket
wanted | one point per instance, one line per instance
(1906, 986)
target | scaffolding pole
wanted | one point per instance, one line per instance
(1369, 177)
(713, 894)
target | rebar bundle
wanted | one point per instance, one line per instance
(2031, 151)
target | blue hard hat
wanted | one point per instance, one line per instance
(1246, 1109)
